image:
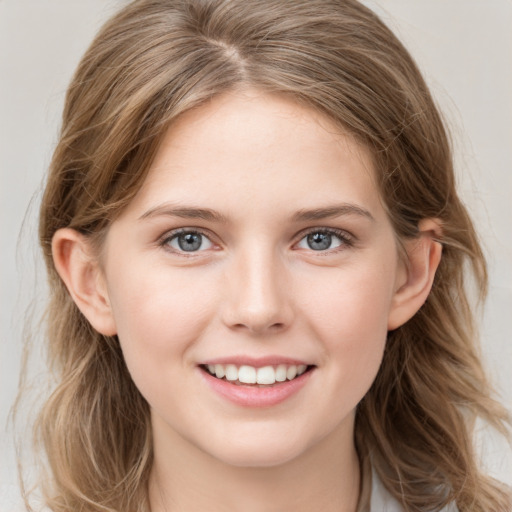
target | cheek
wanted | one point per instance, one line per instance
(159, 318)
(350, 316)
(158, 315)
(354, 304)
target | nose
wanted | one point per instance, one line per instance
(258, 294)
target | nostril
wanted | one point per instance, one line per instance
(253, 327)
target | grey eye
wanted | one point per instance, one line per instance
(190, 241)
(320, 241)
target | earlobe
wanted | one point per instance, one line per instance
(79, 269)
(423, 258)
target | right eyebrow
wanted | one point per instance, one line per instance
(192, 212)
(184, 212)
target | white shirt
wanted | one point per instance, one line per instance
(382, 501)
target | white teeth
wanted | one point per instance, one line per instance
(291, 372)
(250, 375)
(219, 371)
(281, 373)
(266, 375)
(231, 372)
(247, 375)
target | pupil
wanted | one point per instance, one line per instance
(319, 241)
(189, 241)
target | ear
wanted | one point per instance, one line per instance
(416, 276)
(80, 270)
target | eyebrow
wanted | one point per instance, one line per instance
(184, 212)
(333, 211)
(190, 212)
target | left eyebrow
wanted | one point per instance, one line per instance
(331, 212)
(187, 212)
(184, 212)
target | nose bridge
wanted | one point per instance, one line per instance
(257, 298)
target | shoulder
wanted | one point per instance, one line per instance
(11, 500)
(382, 501)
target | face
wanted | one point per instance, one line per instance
(257, 249)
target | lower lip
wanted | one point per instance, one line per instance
(253, 396)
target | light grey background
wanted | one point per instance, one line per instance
(465, 51)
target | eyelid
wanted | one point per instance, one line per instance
(347, 238)
(163, 240)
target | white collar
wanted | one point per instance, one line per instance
(382, 501)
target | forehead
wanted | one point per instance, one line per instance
(249, 146)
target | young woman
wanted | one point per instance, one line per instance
(257, 259)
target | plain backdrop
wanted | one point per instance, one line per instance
(465, 51)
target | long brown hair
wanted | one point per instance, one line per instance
(155, 60)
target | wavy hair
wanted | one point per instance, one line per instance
(159, 58)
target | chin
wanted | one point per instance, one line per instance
(257, 459)
(254, 454)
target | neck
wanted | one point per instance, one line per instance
(325, 477)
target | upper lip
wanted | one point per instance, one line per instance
(256, 362)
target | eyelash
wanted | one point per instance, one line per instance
(170, 236)
(347, 239)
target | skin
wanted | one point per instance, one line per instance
(255, 288)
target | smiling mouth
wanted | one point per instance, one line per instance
(265, 376)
